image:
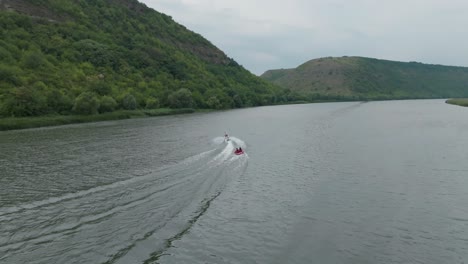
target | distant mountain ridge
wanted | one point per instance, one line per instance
(350, 78)
(87, 57)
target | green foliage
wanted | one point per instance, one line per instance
(458, 101)
(181, 99)
(96, 53)
(85, 55)
(5, 55)
(214, 103)
(10, 74)
(58, 102)
(152, 103)
(101, 87)
(24, 101)
(107, 104)
(129, 102)
(34, 60)
(357, 78)
(55, 120)
(86, 104)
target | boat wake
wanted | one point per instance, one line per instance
(131, 221)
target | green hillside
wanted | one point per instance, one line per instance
(358, 78)
(95, 56)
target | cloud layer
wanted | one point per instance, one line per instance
(263, 35)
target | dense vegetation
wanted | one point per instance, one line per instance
(458, 101)
(357, 78)
(9, 123)
(95, 56)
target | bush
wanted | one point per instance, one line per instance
(24, 101)
(214, 103)
(152, 103)
(96, 53)
(5, 56)
(101, 87)
(129, 102)
(34, 60)
(86, 104)
(59, 102)
(181, 99)
(10, 74)
(107, 104)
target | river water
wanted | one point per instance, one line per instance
(375, 182)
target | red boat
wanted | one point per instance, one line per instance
(238, 152)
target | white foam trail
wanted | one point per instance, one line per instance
(52, 200)
(197, 157)
(69, 196)
(128, 217)
(224, 154)
(227, 154)
(242, 161)
(238, 142)
(218, 140)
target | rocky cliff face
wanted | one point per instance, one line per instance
(30, 9)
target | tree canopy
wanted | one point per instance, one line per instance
(85, 57)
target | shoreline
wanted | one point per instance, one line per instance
(458, 101)
(17, 123)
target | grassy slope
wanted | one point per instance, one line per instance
(51, 51)
(458, 101)
(366, 78)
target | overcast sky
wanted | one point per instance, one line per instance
(273, 34)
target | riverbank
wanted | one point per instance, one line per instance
(458, 101)
(12, 123)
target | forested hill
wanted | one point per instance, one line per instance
(90, 56)
(351, 78)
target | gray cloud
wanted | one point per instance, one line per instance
(268, 34)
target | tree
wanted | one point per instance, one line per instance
(129, 102)
(10, 74)
(107, 104)
(141, 61)
(96, 53)
(58, 102)
(24, 101)
(101, 87)
(34, 60)
(237, 101)
(86, 104)
(152, 103)
(181, 99)
(214, 103)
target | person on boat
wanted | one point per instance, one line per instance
(240, 149)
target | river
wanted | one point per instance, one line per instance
(356, 182)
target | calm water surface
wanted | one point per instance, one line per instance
(376, 182)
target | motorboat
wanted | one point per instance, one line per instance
(238, 152)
